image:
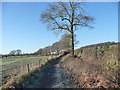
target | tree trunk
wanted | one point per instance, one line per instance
(72, 32)
(72, 46)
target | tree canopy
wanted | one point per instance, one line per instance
(68, 16)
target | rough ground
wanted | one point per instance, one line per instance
(88, 74)
(51, 76)
(69, 72)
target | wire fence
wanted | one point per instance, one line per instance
(19, 68)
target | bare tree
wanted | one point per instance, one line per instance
(56, 47)
(18, 52)
(13, 52)
(66, 41)
(67, 16)
(40, 51)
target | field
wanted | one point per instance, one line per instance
(18, 65)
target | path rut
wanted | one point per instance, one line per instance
(51, 76)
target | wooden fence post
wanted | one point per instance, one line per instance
(28, 67)
(12, 77)
(39, 62)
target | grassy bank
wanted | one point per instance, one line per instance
(94, 67)
(17, 66)
(18, 81)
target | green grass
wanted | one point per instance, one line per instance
(103, 48)
(11, 64)
(19, 59)
(11, 60)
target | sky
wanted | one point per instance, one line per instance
(22, 29)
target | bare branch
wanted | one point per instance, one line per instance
(66, 19)
(66, 16)
(65, 9)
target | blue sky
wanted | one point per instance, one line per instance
(21, 28)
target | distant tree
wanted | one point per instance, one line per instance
(66, 16)
(18, 52)
(65, 41)
(40, 51)
(63, 44)
(13, 52)
(47, 50)
(56, 47)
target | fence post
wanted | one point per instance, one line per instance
(28, 67)
(39, 62)
(12, 77)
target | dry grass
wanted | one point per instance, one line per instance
(89, 73)
(16, 81)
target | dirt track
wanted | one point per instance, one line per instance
(51, 76)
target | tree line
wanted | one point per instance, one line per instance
(64, 44)
(17, 52)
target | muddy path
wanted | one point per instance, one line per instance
(50, 76)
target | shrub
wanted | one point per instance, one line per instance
(104, 48)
